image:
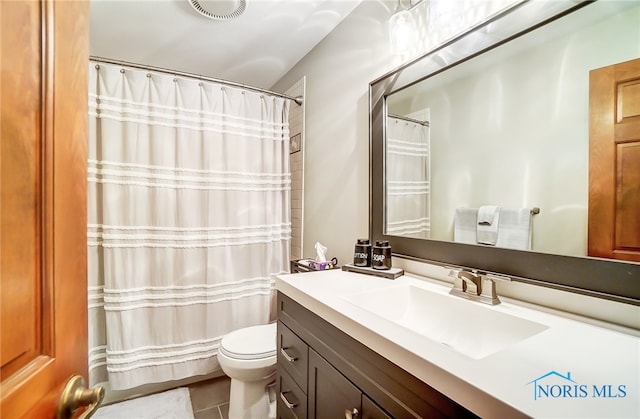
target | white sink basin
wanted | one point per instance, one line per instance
(467, 327)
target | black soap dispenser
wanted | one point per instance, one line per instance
(381, 255)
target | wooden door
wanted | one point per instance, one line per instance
(614, 162)
(44, 56)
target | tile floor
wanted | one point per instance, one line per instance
(210, 399)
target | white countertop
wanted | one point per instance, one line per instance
(601, 362)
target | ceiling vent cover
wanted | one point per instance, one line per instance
(219, 9)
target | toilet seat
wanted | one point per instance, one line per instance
(250, 343)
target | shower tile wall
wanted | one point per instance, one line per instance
(296, 126)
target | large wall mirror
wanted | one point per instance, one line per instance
(499, 118)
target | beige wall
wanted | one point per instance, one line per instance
(336, 178)
(336, 156)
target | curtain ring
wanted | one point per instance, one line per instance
(122, 70)
(148, 75)
(97, 66)
(175, 80)
(200, 84)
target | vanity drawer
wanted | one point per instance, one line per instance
(293, 355)
(291, 400)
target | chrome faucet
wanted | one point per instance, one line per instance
(475, 286)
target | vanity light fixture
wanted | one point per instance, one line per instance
(402, 28)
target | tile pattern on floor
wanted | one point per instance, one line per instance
(210, 399)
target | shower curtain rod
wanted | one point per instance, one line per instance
(406, 118)
(298, 99)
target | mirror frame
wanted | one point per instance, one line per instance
(602, 278)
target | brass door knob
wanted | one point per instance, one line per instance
(76, 395)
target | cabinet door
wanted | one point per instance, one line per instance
(292, 355)
(291, 400)
(370, 410)
(331, 395)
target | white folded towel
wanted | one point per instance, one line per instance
(515, 228)
(487, 214)
(488, 224)
(464, 225)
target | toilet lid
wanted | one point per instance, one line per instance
(253, 342)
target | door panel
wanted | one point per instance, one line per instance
(44, 56)
(628, 196)
(370, 410)
(614, 162)
(330, 393)
(20, 171)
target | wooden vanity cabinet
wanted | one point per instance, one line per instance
(324, 373)
(332, 395)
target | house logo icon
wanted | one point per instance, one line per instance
(554, 385)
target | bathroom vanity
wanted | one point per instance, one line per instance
(354, 345)
(325, 373)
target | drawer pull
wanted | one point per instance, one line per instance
(287, 402)
(287, 356)
(351, 414)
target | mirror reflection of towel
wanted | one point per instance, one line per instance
(515, 228)
(514, 231)
(488, 225)
(464, 225)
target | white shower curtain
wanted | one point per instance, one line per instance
(189, 220)
(407, 178)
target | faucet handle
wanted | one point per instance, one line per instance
(458, 283)
(472, 281)
(489, 289)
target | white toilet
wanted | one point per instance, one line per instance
(248, 357)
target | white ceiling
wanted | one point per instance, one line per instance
(256, 49)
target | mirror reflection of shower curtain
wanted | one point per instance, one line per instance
(188, 220)
(407, 177)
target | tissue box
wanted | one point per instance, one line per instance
(308, 265)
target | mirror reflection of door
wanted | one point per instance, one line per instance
(614, 161)
(43, 153)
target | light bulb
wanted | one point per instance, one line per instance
(401, 31)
